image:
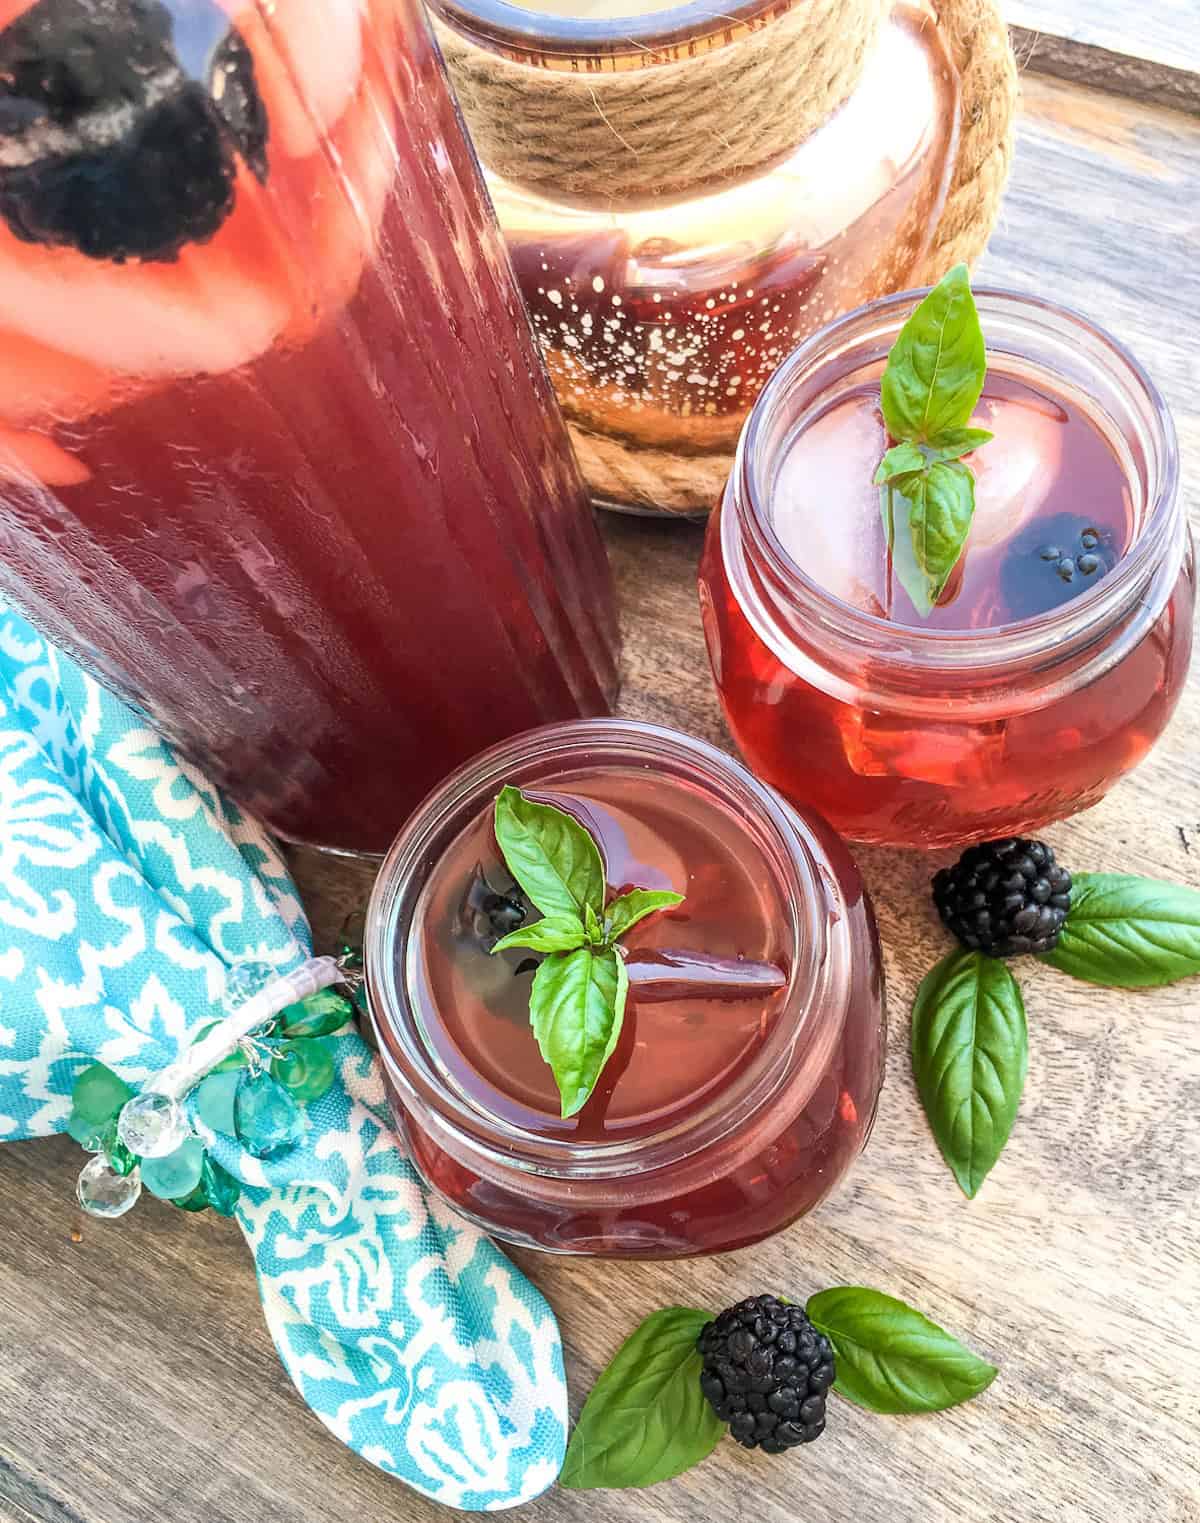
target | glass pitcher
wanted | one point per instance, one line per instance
(278, 457)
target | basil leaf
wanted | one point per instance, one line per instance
(936, 367)
(890, 1358)
(624, 913)
(595, 931)
(941, 504)
(955, 442)
(646, 1419)
(556, 933)
(551, 855)
(576, 1008)
(894, 508)
(1129, 933)
(901, 460)
(970, 1051)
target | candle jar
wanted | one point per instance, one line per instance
(979, 722)
(688, 192)
(748, 1068)
(279, 461)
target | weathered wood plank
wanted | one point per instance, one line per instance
(138, 1384)
(1149, 52)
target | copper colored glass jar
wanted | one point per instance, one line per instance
(717, 1120)
(688, 192)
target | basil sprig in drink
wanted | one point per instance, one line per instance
(948, 595)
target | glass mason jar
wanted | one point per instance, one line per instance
(929, 737)
(718, 1120)
(280, 460)
(688, 191)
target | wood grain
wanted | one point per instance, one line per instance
(1149, 52)
(138, 1384)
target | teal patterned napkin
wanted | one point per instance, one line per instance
(128, 887)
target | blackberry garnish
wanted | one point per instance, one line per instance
(1054, 560)
(1005, 898)
(766, 1371)
(109, 142)
(489, 913)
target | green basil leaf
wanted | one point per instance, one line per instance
(894, 506)
(646, 1419)
(954, 443)
(556, 933)
(576, 1008)
(901, 460)
(970, 1051)
(1129, 933)
(940, 510)
(595, 931)
(551, 855)
(936, 367)
(624, 913)
(890, 1358)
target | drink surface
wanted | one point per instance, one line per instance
(675, 1054)
(279, 460)
(1053, 511)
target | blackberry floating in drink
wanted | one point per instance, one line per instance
(1053, 657)
(278, 460)
(746, 1074)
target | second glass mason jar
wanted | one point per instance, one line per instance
(279, 461)
(979, 723)
(689, 190)
(747, 1072)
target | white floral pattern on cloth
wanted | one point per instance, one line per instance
(128, 884)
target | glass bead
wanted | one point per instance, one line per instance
(102, 1192)
(215, 1099)
(152, 1125)
(99, 1094)
(243, 981)
(177, 1175)
(87, 1134)
(220, 1187)
(120, 1159)
(196, 1201)
(318, 1015)
(267, 1119)
(304, 1068)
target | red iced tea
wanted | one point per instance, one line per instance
(280, 462)
(1057, 651)
(746, 1074)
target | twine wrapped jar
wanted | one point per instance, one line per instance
(688, 193)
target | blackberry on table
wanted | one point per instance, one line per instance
(1004, 898)
(766, 1372)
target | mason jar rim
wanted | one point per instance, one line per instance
(696, 23)
(1056, 632)
(795, 1039)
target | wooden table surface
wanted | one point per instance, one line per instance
(137, 1381)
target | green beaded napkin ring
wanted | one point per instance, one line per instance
(252, 1072)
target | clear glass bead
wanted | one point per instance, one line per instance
(243, 981)
(103, 1192)
(152, 1125)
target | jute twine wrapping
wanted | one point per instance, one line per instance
(661, 129)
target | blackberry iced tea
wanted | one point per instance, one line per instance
(748, 1066)
(278, 460)
(1056, 654)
